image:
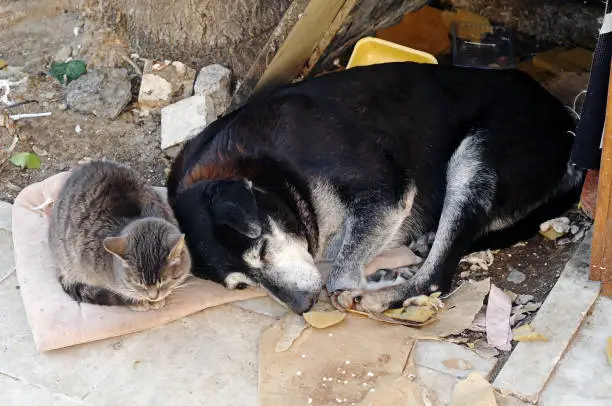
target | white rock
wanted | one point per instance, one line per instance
(155, 91)
(214, 81)
(185, 119)
(164, 83)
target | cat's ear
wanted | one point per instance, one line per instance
(233, 204)
(174, 258)
(116, 246)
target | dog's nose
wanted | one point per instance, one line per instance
(301, 302)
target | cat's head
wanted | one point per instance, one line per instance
(151, 258)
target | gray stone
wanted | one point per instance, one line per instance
(164, 83)
(451, 359)
(523, 299)
(214, 81)
(63, 54)
(532, 363)
(185, 119)
(516, 277)
(103, 92)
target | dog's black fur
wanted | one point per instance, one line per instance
(347, 164)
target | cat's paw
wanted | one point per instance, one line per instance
(141, 306)
(158, 304)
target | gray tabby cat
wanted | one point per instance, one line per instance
(115, 240)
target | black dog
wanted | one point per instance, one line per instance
(342, 166)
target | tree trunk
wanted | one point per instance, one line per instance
(196, 32)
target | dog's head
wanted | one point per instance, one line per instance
(239, 236)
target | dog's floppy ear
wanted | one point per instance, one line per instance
(233, 204)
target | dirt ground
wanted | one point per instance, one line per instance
(33, 31)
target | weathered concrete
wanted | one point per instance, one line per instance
(584, 375)
(531, 363)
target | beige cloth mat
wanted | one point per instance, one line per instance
(58, 321)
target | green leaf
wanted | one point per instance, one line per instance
(66, 72)
(26, 160)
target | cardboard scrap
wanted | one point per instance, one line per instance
(399, 391)
(325, 367)
(498, 319)
(473, 391)
(460, 309)
(342, 363)
(609, 350)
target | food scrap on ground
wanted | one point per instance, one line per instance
(527, 333)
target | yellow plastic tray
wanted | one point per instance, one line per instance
(371, 51)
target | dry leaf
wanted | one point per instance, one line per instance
(513, 296)
(39, 151)
(322, 319)
(527, 333)
(432, 301)
(456, 363)
(417, 314)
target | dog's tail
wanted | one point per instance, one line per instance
(566, 198)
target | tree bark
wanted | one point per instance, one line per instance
(196, 32)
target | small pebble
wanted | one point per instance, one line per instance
(303, 355)
(347, 362)
(370, 374)
(516, 277)
(309, 401)
(299, 373)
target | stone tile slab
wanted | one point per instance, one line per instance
(584, 376)
(14, 392)
(207, 358)
(529, 367)
(6, 219)
(441, 355)
(71, 371)
(439, 383)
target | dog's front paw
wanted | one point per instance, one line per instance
(340, 280)
(374, 302)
